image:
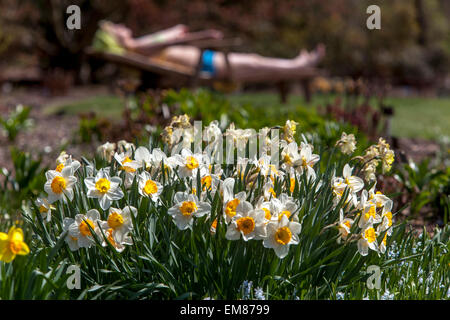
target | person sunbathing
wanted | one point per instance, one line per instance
(244, 65)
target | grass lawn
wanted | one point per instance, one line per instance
(109, 106)
(418, 117)
(421, 117)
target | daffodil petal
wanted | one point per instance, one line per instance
(24, 249)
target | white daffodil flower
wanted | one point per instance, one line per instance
(105, 188)
(265, 142)
(267, 169)
(212, 135)
(377, 197)
(368, 211)
(144, 157)
(148, 187)
(267, 207)
(209, 182)
(281, 234)
(382, 246)
(120, 220)
(210, 178)
(387, 160)
(72, 242)
(64, 160)
(308, 160)
(125, 146)
(386, 217)
(290, 156)
(186, 207)
(153, 161)
(386, 154)
(45, 208)
(344, 226)
(128, 165)
(117, 239)
(240, 136)
(367, 241)
(59, 185)
(79, 230)
(248, 223)
(338, 185)
(289, 130)
(370, 170)
(268, 191)
(189, 163)
(347, 143)
(230, 200)
(107, 150)
(284, 206)
(182, 137)
(353, 182)
(212, 132)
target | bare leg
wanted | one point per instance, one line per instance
(253, 66)
(249, 66)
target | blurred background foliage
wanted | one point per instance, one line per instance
(412, 47)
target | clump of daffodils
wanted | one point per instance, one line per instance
(373, 156)
(255, 198)
(370, 212)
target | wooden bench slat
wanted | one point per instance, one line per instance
(142, 62)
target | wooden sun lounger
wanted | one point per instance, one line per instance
(153, 69)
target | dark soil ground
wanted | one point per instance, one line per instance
(49, 132)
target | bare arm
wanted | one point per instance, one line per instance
(155, 42)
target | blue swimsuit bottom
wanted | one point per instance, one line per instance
(208, 62)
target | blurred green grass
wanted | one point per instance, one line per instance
(109, 106)
(415, 117)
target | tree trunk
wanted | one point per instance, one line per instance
(422, 21)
